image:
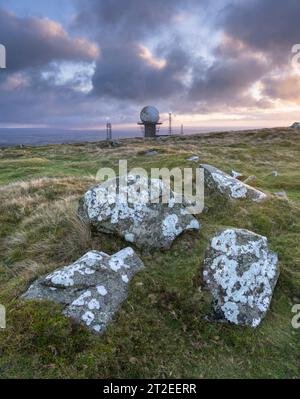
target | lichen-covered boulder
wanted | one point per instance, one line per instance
(219, 182)
(144, 211)
(241, 273)
(91, 289)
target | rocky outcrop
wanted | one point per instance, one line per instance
(218, 182)
(142, 212)
(91, 289)
(241, 273)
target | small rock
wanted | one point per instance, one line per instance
(216, 181)
(91, 289)
(115, 144)
(137, 212)
(281, 194)
(193, 158)
(151, 152)
(274, 173)
(241, 273)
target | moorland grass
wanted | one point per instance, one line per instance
(160, 330)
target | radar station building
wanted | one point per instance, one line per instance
(150, 120)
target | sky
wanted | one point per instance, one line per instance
(75, 64)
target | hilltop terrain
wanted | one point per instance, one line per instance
(160, 330)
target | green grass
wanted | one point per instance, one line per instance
(160, 330)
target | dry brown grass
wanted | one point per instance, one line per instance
(41, 229)
(52, 234)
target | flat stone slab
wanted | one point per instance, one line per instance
(193, 158)
(219, 182)
(151, 152)
(241, 273)
(91, 289)
(145, 219)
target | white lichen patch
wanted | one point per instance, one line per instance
(82, 299)
(130, 237)
(97, 328)
(118, 261)
(65, 276)
(87, 270)
(101, 290)
(92, 257)
(231, 311)
(94, 304)
(194, 225)
(237, 188)
(170, 228)
(88, 318)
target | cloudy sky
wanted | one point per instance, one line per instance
(75, 63)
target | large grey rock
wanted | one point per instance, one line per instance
(148, 219)
(91, 289)
(219, 182)
(241, 273)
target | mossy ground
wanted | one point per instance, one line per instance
(160, 330)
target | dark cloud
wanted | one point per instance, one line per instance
(271, 26)
(123, 73)
(34, 42)
(53, 106)
(227, 80)
(146, 56)
(121, 29)
(129, 19)
(258, 36)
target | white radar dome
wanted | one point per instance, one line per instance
(149, 114)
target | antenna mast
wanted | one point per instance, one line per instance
(170, 123)
(108, 131)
